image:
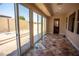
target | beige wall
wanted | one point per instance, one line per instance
(50, 24)
(12, 24)
(73, 36)
(24, 25)
(4, 24)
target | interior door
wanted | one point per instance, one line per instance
(56, 26)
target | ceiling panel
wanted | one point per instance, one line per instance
(63, 8)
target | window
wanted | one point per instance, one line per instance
(71, 22)
(78, 28)
(78, 23)
(35, 25)
(9, 33)
(78, 16)
(24, 28)
(7, 30)
(39, 25)
(66, 22)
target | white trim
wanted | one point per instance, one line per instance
(17, 29)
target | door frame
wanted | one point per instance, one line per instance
(58, 25)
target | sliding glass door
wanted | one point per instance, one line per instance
(35, 27)
(7, 30)
(11, 28)
(24, 28)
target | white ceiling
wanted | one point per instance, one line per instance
(57, 8)
(63, 8)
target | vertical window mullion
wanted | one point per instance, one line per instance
(41, 26)
(17, 29)
(38, 25)
(31, 28)
(45, 25)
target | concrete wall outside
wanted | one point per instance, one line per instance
(24, 25)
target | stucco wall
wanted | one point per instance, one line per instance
(3, 24)
(24, 25)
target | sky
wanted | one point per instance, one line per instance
(7, 9)
(23, 11)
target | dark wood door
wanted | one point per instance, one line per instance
(56, 26)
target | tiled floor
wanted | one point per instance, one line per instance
(53, 45)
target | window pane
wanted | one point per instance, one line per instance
(78, 16)
(7, 30)
(78, 28)
(35, 25)
(24, 28)
(39, 23)
(71, 22)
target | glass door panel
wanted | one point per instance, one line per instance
(39, 23)
(7, 30)
(35, 25)
(24, 28)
